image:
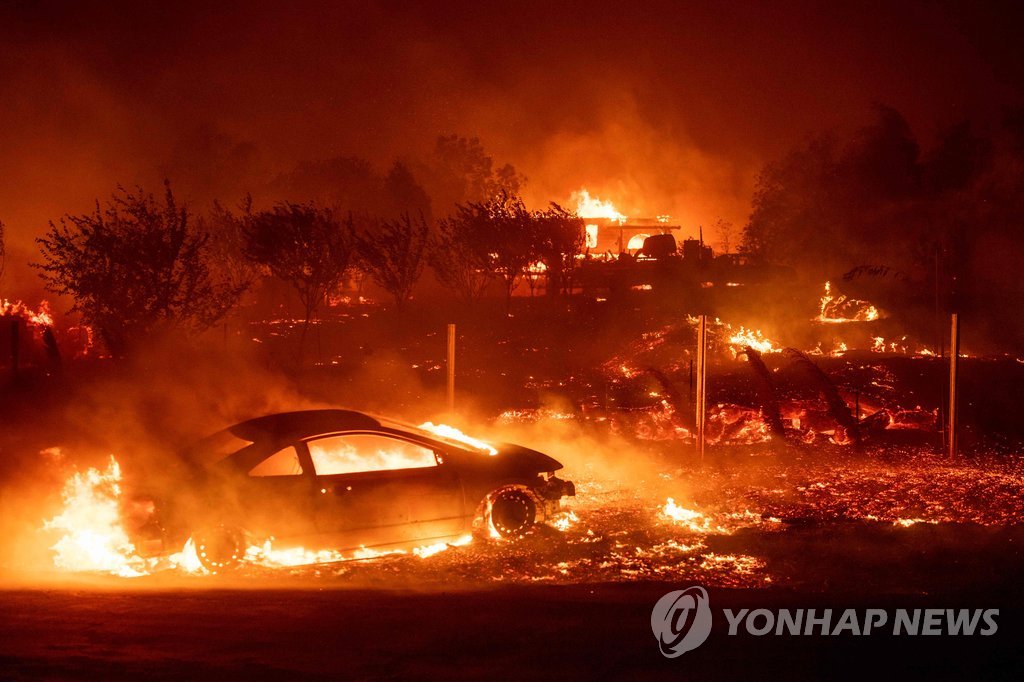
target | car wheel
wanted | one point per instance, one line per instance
(512, 512)
(219, 548)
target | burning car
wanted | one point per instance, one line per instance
(345, 480)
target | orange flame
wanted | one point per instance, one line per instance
(40, 318)
(838, 309)
(592, 207)
(753, 338)
(94, 538)
(452, 433)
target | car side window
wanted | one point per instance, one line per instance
(281, 463)
(354, 453)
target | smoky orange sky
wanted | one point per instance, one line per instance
(660, 107)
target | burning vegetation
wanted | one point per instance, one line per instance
(621, 345)
(621, 413)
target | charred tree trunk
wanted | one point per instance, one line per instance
(766, 392)
(837, 407)
(683, 412)
(52, 350)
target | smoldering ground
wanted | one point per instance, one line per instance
(741, 519)
(799, 526)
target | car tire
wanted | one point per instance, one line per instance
(219, 548)
(511, 512)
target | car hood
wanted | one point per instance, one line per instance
(527, 459)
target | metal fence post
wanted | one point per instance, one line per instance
(450, 393)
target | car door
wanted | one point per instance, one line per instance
(277, 497)
(376, 489)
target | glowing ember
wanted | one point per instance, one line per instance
(452, 433)
(693, 520)
(753, 338)
(733, 563)
(592, 207)
(266, 555)
(564, 521)
(94, 537)
(838, 309)
(437, 547)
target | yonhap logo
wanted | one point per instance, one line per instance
(681, 621)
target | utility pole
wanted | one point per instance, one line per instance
(702, 374)
(450, 393)
(954, 362)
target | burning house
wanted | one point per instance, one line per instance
(607, 237)
(610, 233)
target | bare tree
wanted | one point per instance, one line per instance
(304, 245)
(464, 172)
(726, 232)
(493, 237)
(459, 260)
(227, 244)
(134, 266)
(393, 254)
(509, 232)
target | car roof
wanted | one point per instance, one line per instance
(289, 425)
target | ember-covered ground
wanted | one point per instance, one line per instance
(805, 529)
(795, 522)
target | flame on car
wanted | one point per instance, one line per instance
(452, 433)
(94, 538)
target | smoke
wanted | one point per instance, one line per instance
(662, 108)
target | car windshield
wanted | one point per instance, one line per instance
(448, 435)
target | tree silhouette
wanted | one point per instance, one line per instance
(305, 246)
(465, 173)
(394, 255)
(501, 237)
(404, 194)
(459, 257)
(725, 232)
(133, 267)
(509, 233)
(227, 244)
(495, 237)
(560, 237)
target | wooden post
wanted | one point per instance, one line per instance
(451, 368)
(702, 373)
(954, 362)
